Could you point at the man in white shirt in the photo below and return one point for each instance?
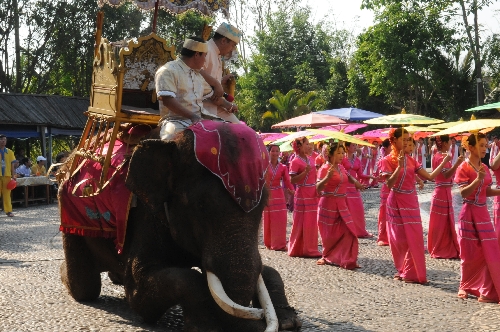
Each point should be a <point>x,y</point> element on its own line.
<point>221,45</point>
<point>25,169</point>
<point>454,150</point>
<point>181,90</point>
<point>494,149</point>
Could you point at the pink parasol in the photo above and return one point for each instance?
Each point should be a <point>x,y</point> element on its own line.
<point>377,133</point>
<point>271,137</point>
<point>345,127</point>
<point>309,120</point>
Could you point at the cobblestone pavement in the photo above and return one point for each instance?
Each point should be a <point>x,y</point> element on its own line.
<point>327,298</point>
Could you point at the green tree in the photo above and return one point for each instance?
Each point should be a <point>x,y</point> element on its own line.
<point>400,57</point>
<point>468,27</point>
<point>178,27</point>
<point>492,63</point>
<point>294,103</point>
<point>288,55</point>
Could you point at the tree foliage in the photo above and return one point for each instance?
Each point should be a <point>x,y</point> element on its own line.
<point>56,55</point>
<point>403,58</point>
<point>291,54</point>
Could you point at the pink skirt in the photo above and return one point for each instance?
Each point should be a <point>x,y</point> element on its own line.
<point>382,215</point>
<point>406,238</point>
<point>355,205</point>
<point>275,218</point>
<point>340,244</point>
<point>442,238</point>
<point>479,252</point>
<point>304,236</point>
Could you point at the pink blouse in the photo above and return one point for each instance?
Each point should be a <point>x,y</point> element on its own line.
<point>405,183</point>
<point>466,173</point>
<point>337,185</point>
<point>275,174</point>
<point>353,166</point>
<point>440,179</point>
<point>298,165</point>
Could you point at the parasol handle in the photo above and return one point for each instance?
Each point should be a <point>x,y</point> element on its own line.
<point>155,16</point>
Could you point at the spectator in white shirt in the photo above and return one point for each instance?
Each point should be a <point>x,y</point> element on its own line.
<point>25,169</point>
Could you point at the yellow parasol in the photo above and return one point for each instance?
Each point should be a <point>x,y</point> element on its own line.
<point>446,125</point>
<point>403,119</point>
<point>472,126</point>
<point>292,136</point>
<point>416,129</point>
<point>340,136</point>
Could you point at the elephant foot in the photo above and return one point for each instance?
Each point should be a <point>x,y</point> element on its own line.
<point>115,278</point>
<point>287,317</point>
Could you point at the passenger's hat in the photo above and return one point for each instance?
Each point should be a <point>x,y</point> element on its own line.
<point>228,31</point>
<point>195,46</point>
<point>39,158</point>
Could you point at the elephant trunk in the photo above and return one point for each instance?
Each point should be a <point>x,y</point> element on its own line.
<point>234,309</point>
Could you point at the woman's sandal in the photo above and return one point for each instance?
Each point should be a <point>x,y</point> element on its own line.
<point>409,281</point>
<point>321,261</point>
<point>483,299</point>
<point>396,277</point>
<point>462,294</point>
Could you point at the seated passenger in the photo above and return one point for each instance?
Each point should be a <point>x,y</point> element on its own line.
<point>181,90</point>
<point>39,168</point>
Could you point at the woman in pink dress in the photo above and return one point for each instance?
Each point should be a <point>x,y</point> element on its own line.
<point>495,167</point>
<point>275,213</point>
<point>336,227</point>
<point>320,159</point>
<point>479,247</point>
<point>404,225</point>
<point>304,236</point>
<point>354,201</point>
<point>382,239</point>
<point>442,237</point>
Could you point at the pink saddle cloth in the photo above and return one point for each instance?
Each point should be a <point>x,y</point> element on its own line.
<point>102,215</point>
<point>236,154</point>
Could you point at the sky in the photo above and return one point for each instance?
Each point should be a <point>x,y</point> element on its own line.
<point>349,14</point>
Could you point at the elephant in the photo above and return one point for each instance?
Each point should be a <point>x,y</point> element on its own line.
<point>187,243</point>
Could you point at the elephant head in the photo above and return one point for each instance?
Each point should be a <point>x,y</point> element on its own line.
<point>203,219</point>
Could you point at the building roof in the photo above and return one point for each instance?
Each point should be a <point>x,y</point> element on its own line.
<point>43,110</point>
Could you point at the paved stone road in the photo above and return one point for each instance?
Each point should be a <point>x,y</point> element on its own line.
<point>327,298</point>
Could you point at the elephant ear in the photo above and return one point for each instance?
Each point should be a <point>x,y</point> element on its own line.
<point>149,172</point>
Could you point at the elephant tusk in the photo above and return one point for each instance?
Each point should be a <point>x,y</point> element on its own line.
<point>267,305</point>
<point>227,304</point>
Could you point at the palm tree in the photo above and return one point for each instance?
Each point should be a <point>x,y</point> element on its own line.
<point>294,103</point>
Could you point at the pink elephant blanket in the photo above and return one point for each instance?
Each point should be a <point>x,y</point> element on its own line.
<point>103,214</point>
<point>236,154</point>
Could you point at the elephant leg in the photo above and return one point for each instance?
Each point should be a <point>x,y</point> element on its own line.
<point>78,271</point>
<point>287,316</point>
<point>158,291</point>
<point>151,294</point>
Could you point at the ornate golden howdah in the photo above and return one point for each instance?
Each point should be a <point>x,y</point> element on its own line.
<point>122,91</point>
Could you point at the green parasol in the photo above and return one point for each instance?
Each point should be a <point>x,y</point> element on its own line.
<point>484,107</point>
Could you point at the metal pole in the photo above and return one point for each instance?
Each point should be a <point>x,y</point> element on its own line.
<point>478,81</point>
